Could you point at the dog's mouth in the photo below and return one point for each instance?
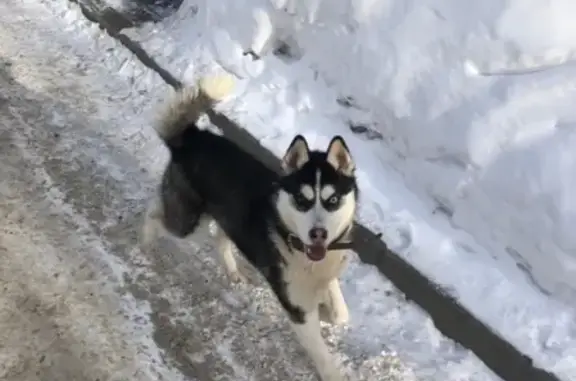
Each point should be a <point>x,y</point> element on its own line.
<point>316,252</point>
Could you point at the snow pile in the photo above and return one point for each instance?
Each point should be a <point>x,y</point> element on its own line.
<point>473,101</point>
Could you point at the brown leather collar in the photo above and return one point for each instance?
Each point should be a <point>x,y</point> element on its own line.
<point>295,243</point>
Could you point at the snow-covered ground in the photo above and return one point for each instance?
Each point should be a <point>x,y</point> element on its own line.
<point>463,117</point>
<point>81,301</point>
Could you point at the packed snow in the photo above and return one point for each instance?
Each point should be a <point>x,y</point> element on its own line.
<point>81,160</point>
<point>460,116</point>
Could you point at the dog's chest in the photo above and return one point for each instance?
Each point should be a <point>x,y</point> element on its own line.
<point>307,280</point>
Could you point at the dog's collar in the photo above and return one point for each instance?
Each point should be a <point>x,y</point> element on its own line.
<point>295,243</point>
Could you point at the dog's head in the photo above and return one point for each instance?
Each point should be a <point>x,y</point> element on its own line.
<point>318,194</point>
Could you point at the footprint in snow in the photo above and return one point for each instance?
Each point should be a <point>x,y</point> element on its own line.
<point>398,236</point>
<point>230,55</point>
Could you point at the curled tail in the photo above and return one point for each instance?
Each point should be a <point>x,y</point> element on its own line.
<point>189,104</point>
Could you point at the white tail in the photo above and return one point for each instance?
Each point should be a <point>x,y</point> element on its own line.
<point>189,103</point>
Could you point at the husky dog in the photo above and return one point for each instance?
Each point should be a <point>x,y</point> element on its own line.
<point>294,227</point>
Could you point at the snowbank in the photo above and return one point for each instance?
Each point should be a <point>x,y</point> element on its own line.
<point>474,99</point>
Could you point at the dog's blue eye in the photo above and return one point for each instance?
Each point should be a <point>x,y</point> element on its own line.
<point>333,200</point>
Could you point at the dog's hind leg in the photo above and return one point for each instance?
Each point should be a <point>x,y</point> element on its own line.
<point>225,247</point>
<point>152,227</point>
<point>333,308</point>
<point>176,209</point>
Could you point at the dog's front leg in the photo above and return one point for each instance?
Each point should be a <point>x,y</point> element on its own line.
<point>333,308</point>
<point>309,335</point>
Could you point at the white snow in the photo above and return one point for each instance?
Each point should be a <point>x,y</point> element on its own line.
<point>60,58</point>
<point>473,179</point>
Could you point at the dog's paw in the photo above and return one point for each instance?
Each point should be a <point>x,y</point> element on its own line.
<point>333,375</point>
<point>336,315</point>
<point>340,317</point>
<point>149,233</point>
<point>237,277</point>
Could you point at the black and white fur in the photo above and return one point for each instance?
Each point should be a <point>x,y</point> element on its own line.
<point>262,213</point>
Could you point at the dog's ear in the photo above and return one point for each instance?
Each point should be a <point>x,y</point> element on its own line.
<point>339,156</point>
<point>296,155</point>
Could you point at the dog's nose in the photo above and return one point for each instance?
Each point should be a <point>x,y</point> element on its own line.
<point>318,234</point>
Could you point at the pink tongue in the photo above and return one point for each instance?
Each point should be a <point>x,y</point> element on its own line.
<point>316,252</point>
